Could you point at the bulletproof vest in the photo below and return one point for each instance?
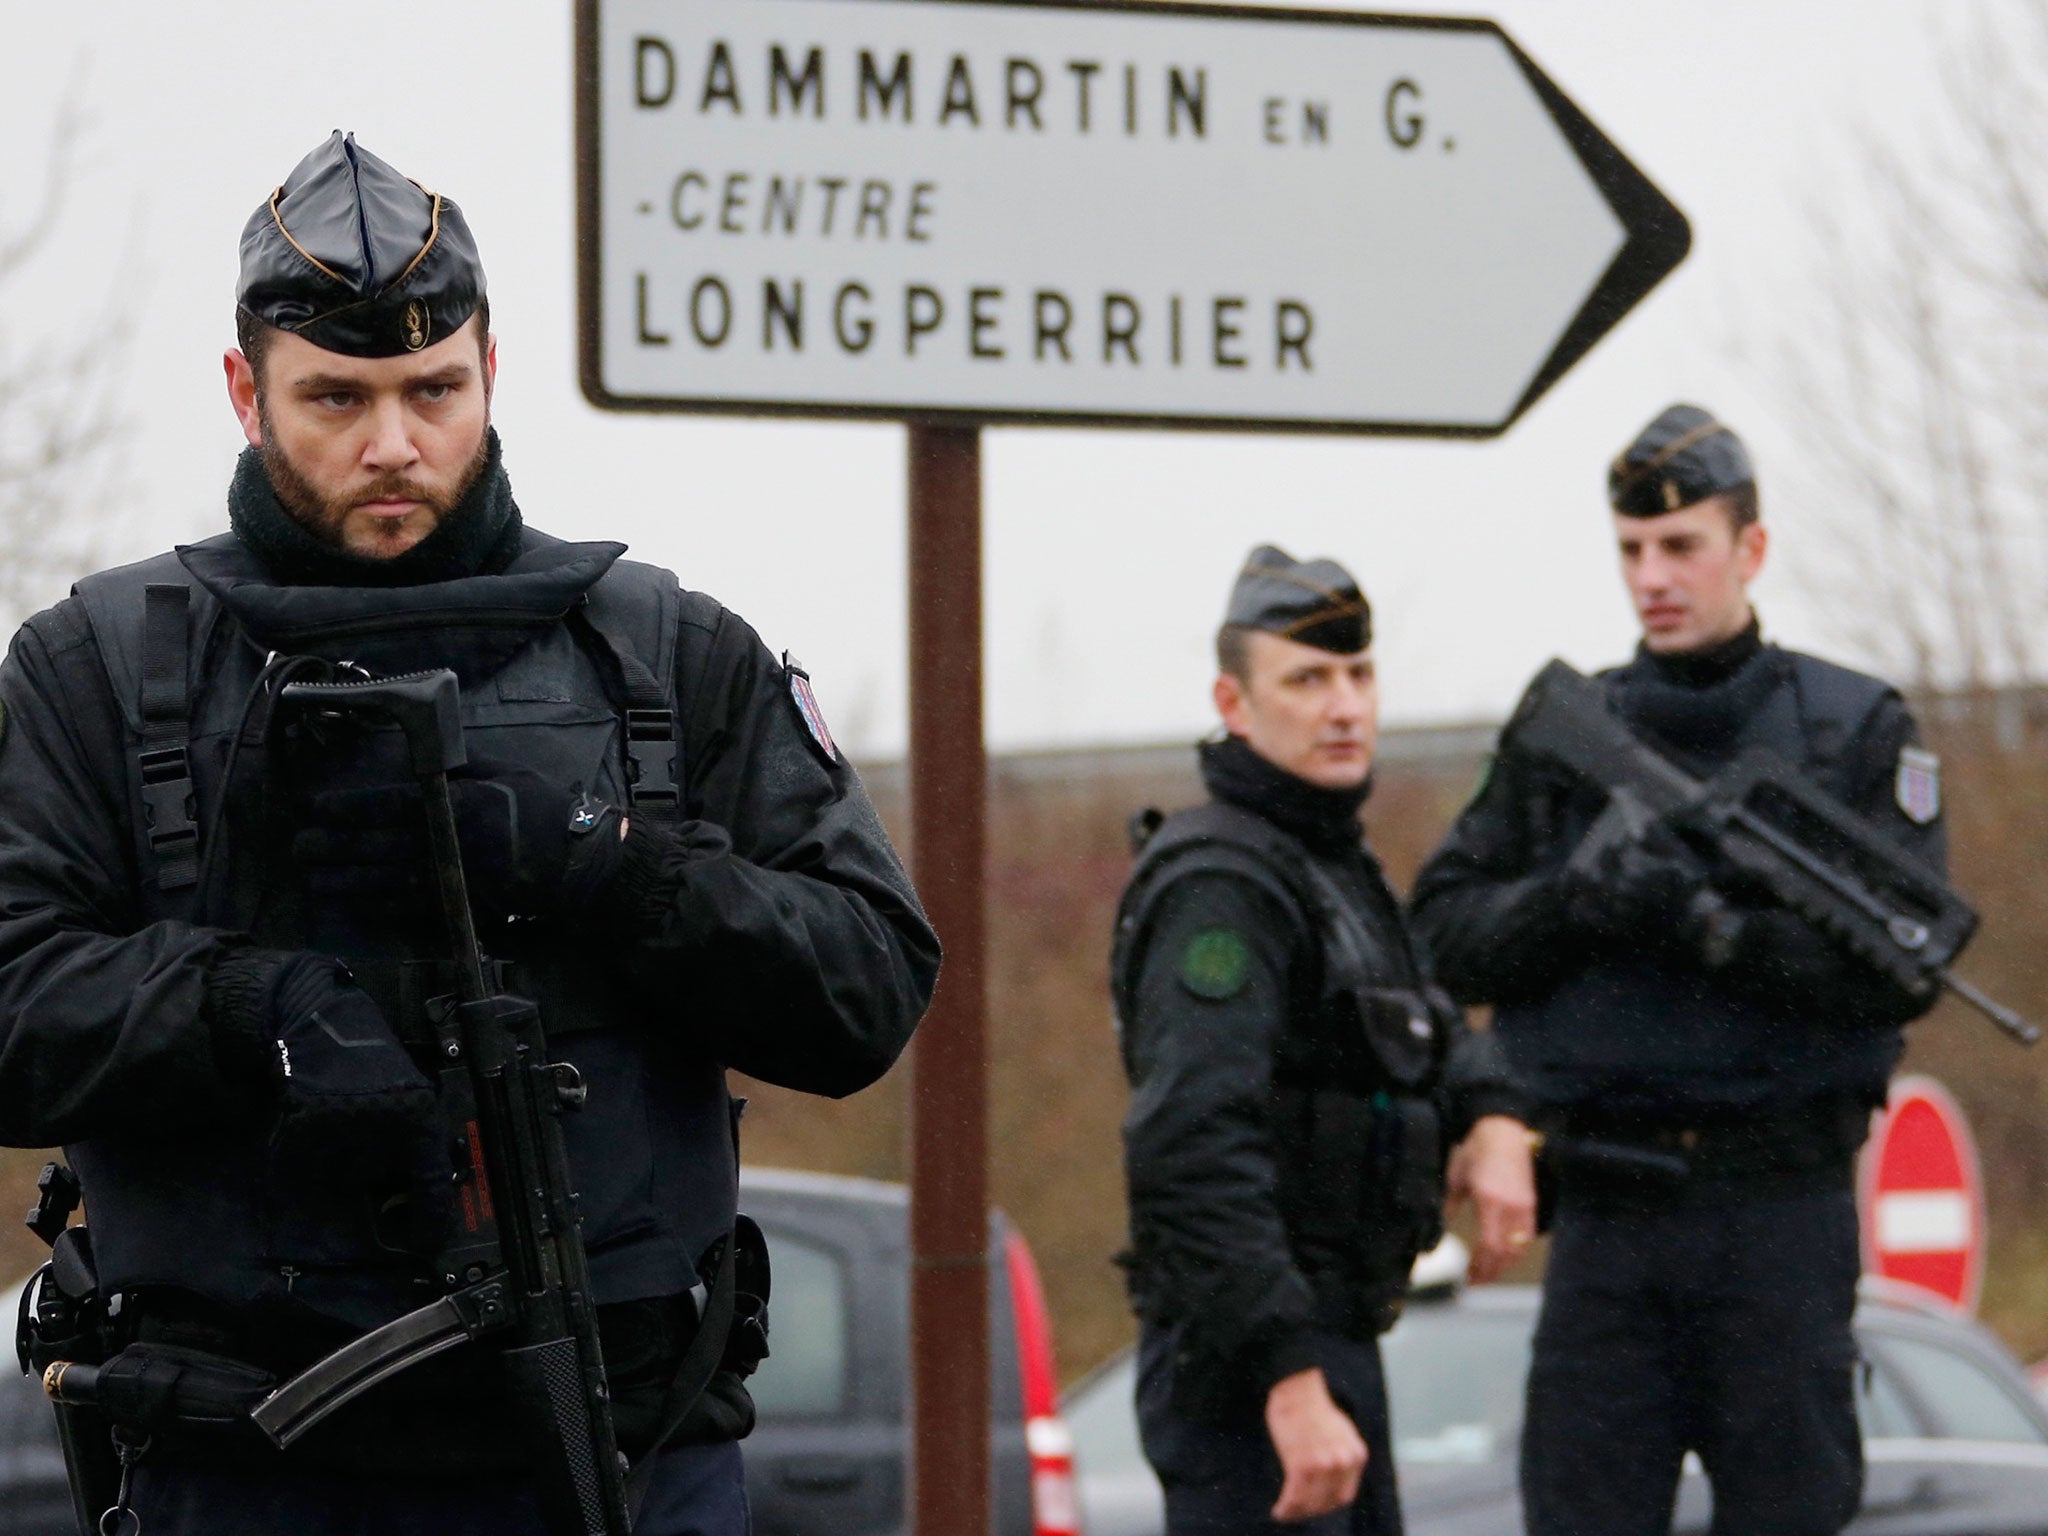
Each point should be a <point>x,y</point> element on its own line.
<point>567,666</point>
<point>1356,1124</point>
<point>1656,1035</point>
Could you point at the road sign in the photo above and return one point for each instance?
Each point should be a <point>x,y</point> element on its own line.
<point>1115,214</point>
<point>1922,1195</point>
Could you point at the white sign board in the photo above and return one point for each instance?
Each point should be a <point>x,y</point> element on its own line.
<point>1138,214</point>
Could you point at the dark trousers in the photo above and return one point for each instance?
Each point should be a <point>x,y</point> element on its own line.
<point>697,1490</point>
<point>1219,1470</point>
<point>1721,1329</point>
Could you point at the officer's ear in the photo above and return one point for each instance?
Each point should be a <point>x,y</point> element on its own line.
<point>241,376</point>
<point>1231,703</point>
<point>1752,543</point>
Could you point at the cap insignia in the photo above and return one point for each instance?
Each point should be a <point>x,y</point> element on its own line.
<point>416,326</point>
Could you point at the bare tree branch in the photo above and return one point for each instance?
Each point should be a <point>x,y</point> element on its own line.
<point>1922,386</point>
<point>61,426</point>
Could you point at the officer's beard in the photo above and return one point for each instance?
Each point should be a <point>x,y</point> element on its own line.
<point>325,517</point>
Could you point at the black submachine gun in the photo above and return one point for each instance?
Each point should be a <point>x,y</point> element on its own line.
<point>517,1274</point>
<point>514,1276</point>
<point>1759,819</point>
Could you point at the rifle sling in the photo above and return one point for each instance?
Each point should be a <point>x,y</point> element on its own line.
<point>699,1364</point>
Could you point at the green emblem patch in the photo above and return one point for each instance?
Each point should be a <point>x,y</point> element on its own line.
<point>1216,964</point>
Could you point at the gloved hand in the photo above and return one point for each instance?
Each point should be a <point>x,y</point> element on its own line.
<point>1645,890</point>
<point>530,847</point>
<point>349,1091</point>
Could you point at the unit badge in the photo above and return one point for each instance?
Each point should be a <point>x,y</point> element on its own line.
<point>807,707</point>
<point>416,326</point>
<point>1918,785</point>
<point>1216,964</point>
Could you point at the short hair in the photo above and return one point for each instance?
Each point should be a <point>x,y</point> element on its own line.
<point>1233,651</point>
<point>254,336</point>
<point>1743,506</point>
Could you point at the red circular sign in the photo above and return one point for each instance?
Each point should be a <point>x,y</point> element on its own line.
<point>1923,1197</point>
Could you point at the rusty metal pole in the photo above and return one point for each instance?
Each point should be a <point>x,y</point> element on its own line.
<point>949,1062</point>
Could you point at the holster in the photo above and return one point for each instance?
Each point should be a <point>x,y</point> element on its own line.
<point>54,1328</point>
<point>63,1319</point>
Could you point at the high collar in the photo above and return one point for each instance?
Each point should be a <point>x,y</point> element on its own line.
<point>1325,819</point>
<point>1705,668</point>
<point>472,623</point>
<point>480,536</point>
<point>1703,712</point>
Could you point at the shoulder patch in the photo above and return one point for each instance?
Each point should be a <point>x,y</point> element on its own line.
<point>1917,785</point>
<point>1216,964</point>
<point>807,710</point>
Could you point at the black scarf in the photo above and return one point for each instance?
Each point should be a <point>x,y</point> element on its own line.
<point>479,537</point>
<point>1325,819</point>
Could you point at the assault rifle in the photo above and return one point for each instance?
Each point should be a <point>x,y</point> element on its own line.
<point>1759,819</point>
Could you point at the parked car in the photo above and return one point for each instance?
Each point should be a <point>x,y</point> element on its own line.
<point>1956,1444</point>
<point>829,1455</point>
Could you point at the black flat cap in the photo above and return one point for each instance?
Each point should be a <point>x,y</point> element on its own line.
<point>357,259</point>
<point>1684,456</point>
<point>1314,601</point>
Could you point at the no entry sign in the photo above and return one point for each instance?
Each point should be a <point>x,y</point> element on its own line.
<point>1923,1197</point>
<point>1170,214</point>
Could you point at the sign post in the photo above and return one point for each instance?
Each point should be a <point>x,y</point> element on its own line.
<point>960,212</point>
<point>1922,1195</point>
<point>949,1061</point>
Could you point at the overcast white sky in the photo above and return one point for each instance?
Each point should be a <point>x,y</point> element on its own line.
<point>1108,553</point>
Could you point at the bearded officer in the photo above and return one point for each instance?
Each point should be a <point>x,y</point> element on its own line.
<point>1707,1068</point>
<point>215,936</point>
<point>1295,1082</point>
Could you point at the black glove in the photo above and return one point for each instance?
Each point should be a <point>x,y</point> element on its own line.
<point>1649,890</point>
<point>530,847</point>
<point>349,1089</point>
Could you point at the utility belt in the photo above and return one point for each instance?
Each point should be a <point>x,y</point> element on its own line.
<point>1630,1163</point>
<point>1356,1303</point>
<point>171,1376</point>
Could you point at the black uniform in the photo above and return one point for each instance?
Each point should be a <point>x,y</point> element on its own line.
<point>1707,1309</point>
<point>185,864</point>
<point>770,929</point>
<point>1295,1083</point>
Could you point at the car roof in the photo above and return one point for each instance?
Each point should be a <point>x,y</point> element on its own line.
<point>824,1186</point>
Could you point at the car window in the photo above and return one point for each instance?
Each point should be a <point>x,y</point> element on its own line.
<point>1965,1400</point>
<point>1454,1385</point>
<point>805,1373</point>
<point>1881,1411</point>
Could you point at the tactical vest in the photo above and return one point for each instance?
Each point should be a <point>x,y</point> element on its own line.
<point>567,664</point>
<point>1356,1123</point>
<point>1641,1035</point>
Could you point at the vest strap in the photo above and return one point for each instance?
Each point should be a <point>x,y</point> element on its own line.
<point>162,761</point>
<point>654,746</point>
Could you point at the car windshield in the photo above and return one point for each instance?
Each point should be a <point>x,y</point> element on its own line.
<point>1454,1381</point>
